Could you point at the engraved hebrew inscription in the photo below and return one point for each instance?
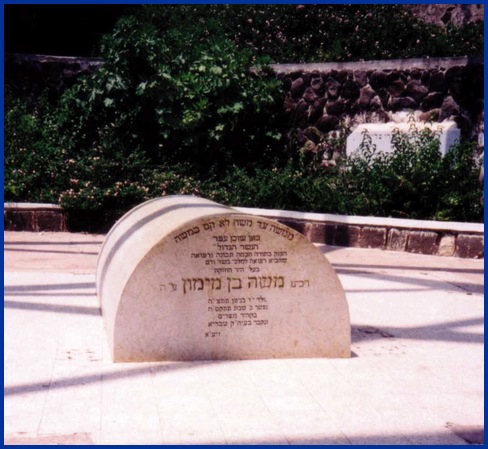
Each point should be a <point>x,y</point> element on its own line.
<point>235,271</point>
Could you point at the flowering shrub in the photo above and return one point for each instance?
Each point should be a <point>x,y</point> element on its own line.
<point>34,168</point>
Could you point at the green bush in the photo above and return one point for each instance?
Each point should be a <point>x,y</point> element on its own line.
<point>176,110</point>
<point>414,182</point>
<point>164,97</point>
<point>34,168</point>
<point>165,93</point>
<point>322,33</point>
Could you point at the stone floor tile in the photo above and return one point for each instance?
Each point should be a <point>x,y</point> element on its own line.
<point>416,375</point>
<point>191,428</point>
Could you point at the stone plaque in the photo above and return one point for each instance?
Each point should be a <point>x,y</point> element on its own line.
<point>381,134</point>
<point>184,278</point>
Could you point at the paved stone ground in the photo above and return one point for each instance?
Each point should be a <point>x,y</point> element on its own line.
<point>416,375</point>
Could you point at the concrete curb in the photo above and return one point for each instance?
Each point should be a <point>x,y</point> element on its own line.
<point>451,239</point>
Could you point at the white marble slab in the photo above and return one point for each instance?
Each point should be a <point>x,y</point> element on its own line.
<point>381,134</point>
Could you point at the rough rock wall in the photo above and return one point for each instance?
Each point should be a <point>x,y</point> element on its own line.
<point>322,97</point>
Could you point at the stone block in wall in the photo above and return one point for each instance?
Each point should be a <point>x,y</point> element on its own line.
<point>307,78</point>
<point>415,73</point>
<point>346,235</point>
<point>309,95</point>
<point>397,240</point>
<point>297,88</point>
<point>361,77</point>
<point>399,103</point>
<point>464,123</point>
<point>454,72</point>
<point>317,110</point>
<point>333,88</point>
<point>432,101</point>
<point>396,88</point>
<point>393,75</point>
<point>296,74</point>
<point>456,91</point>
<point>447,245</point>
<point>378,79</point>
<point>327,123</point>
<point>19,220</point>
<point>317,84</point>
<point>297,225</point>
<point>384,96</point>
<point>51,221</point>
<point>337,107</point>
<point>329,234</point>
<point>422,242</point>
<point>430,116</point>
<point>372,237</point>
<point>340,75</point>
<point>352,107</point>
<point>288,104</point>
<point>350,90</point>
<point>437,82</point>
<point>470,246</point>
<point>286,80</point>
<point>449,108</point>
<point>453,77</point>
<point>320,232</point>
<point>376,105</point>
<point>366,94</point>
<point>425,77</point>
<point>416,90</point>
<point>301,114</point>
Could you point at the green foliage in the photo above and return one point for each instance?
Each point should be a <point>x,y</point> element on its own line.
<point>403,183</point>
<point>462,197</point>
<point>318,33</point>
<point>177,110</point>
<point>174,102</point>
<point>168,94</point>
<point>33,162</point>
<point>415,182</point>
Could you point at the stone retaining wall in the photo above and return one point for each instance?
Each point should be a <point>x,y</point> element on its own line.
<point>438,243</point>
<point>322,97</point>
<point>34,217</point>
<point>464,240</point>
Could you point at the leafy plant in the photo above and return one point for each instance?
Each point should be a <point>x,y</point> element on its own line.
<point>185,104</point>
<point>34,168</point>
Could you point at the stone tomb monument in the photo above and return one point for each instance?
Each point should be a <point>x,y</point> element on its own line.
<point>381,134</point>
<point>184,278</point>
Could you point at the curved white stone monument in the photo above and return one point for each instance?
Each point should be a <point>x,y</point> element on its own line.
<point>184,278</point>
